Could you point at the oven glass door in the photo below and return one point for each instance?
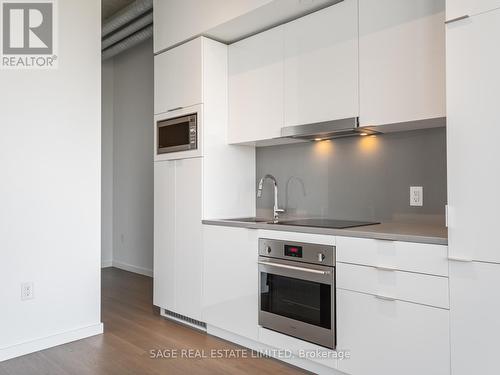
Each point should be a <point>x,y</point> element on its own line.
<point>178,134</point>
<point>302,300</point>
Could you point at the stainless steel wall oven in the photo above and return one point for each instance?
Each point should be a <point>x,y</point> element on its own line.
<point>297,290</point>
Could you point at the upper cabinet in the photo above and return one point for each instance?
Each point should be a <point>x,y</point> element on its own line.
<point>176,21</point>
<point>178,77</point>
<point>256,87</point>
<point>401,61</point>
<point>460,8</point>
<point>382,61</point>
<point>321,65</point>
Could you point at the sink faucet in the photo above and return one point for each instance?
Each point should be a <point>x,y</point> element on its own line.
<point>276,210</point>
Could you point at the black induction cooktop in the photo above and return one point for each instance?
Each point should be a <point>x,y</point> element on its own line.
<point>326,223</point>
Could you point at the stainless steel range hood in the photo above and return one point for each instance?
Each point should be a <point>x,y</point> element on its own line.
<point>347,127</point>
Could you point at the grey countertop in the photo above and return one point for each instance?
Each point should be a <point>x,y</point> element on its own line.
<point>395,231</point>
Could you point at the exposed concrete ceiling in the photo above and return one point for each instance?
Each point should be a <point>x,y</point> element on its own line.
<point>110,7</point>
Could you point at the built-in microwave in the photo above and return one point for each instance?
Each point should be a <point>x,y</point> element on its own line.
<point>177,134</point>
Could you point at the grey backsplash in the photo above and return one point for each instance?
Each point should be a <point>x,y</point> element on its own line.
<point>358,178</point>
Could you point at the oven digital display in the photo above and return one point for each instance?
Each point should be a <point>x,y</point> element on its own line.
<point>293,251</point>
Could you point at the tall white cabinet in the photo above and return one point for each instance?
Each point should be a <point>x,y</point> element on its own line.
<point>473,133</point>
<point>178,236</point>
<point>219,183</point>
<point>473,89</point>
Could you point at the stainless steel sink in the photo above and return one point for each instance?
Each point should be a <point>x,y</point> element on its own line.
<point>249,220</point>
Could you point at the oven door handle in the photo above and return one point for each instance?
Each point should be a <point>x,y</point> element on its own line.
<point>288,267</point>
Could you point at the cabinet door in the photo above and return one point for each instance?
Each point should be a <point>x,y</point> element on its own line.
<point>178,77</point>
<point>402,60</point>
<point>230,280</point>
<point>475,326</point>
<point>321,65</point>
<point>391,337</point>
<point>473,87</point>
<point>459,8</point>
<point>164,235</point>
<point>188,237</point>
<point>256,87</point>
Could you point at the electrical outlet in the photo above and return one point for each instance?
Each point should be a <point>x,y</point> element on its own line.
<point>416,196</point>
<point>27,291</point>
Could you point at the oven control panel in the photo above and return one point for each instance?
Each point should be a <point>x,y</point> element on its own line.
<point>297,251</point>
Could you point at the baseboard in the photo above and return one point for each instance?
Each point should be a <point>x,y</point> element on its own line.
<point>49,342</point>
<point>106,263</point>
<point>134,269</point>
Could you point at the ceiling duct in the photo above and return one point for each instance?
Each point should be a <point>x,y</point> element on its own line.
<point>127,28</point>
<point>126,15</point>
<point>127,43</point>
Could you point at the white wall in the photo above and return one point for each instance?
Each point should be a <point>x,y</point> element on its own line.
<point>107,163</point>
<point>131,102</point>
<point>50,191</point>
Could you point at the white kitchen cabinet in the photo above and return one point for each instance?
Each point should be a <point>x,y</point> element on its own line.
<point>194,186</point>
<point>230,280</point>
<point>188,237</point>
<point>397,255</point>
<point>178,255</point>
<point>256,87</point>
<point>164,235</point>
<point>176,21</point>
<point>401,61</point>
<point>420,288</point>
<point>321,65</point>
<point>391,337</point>
<point>473,86</point>
<point>178,77</point>
<point>459,8</point>
<point>475,326</point>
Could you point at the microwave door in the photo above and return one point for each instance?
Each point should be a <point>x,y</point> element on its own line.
<point>176,135</point>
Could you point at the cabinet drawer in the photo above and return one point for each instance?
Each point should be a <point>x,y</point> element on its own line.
<point>403,256</point>
<point>400,285</point>
<point>391,337</point>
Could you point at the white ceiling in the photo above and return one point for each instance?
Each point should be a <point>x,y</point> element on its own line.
<point>110,7</point>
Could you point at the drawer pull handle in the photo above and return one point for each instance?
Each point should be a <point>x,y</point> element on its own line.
<point>458,259</point>
<point>175,109</point>
<point>382,268</point>
<point>385,298</point>
<point>457,19</point>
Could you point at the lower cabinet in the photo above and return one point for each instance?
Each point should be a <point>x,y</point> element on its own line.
<point>230,280</point>
<point>391,336</point>
<point>475,312</point>
<point>178,254</point>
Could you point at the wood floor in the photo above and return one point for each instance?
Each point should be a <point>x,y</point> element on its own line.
<point>133,327</point>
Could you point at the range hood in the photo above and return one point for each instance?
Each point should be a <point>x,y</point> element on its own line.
<point>347,127</point>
